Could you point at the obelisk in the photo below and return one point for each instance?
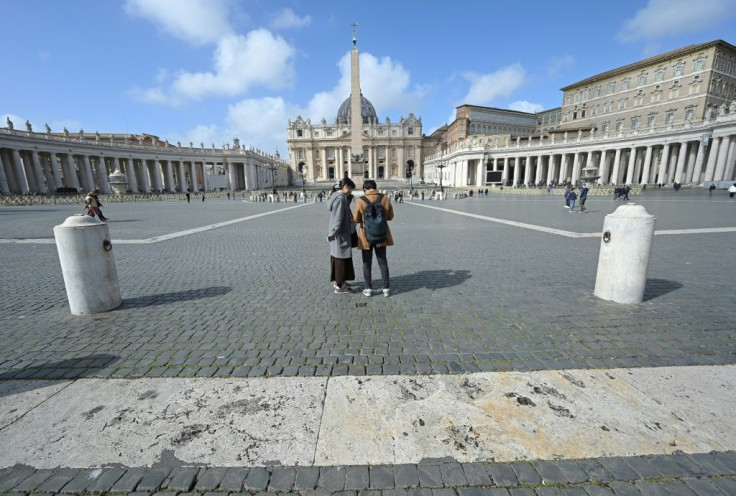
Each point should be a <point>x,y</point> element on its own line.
<point>356,118</point>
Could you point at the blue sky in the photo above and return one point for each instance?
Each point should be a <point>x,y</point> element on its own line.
<point>213,70</point>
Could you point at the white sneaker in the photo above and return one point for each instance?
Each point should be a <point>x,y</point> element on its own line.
<point>386,292</point>
<point>367,292</point>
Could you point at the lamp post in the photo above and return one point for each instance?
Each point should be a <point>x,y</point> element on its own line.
<point>410,173</point>
<point>301,174</point>
<point>441,165</point>
<point>272,168</point>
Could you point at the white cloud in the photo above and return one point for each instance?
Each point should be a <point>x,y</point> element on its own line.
<point>287,19</point>
<point>663,18</point>
<point>240,62</point>
<point>206,134</point>
<point>195,21</point>
<point>524,106</point>
<point>485,88</point>
<point>557,63</point>
<point>384,82</point>
<point>261,123</point>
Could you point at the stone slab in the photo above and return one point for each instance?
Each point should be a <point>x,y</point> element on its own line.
<point>220,422</point>
<point>706,393</point>
<point>501,417</point>
<point>17,398</point>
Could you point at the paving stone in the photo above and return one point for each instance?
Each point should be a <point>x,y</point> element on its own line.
<point>703,487</point>
<point>234,478</point>
<point>57,481</point>
<point>381,477</point>
<point>522,491</point>
<point>257,479</point>
<point>430,476</point>
<point>598,490</point>
<point>406,475</point>
<point>550,472</point>
<point>82,481</point>
<point>152,480</point>
<point>574,491</point>
<point>453,474</point>
<point>618,468</point>
<point>726,484</point>
<point>282,479</point>
<point>106,480</point>
<point>183,479</point>
<point>332,478</point>
<point>526,473</point>
<point>306,477</point>
<point>356,478</point>
<point>624,489</point>
<point>128,481</point>
<point>476,474</point>
<point>595,470</point>
<point>15,478</point>
<point>496,491</point>
<point>642,467</point>
<point>32,482</point>
<point>549,491</point>
<point>470,491</point>
<point>668,488</point>
<point>573,472</point>
<point>210,479</point>
<point>503,474</point>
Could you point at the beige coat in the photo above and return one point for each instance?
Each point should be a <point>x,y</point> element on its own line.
<point>372,195</point>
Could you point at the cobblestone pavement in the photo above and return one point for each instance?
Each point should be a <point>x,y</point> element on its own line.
<point>707,474</point>
<point>253,298</point>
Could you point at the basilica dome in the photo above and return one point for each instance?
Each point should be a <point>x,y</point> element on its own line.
<point>366,110</point>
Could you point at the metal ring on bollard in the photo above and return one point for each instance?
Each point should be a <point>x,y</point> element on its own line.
<point>607,237</point>
<point>107,245</point>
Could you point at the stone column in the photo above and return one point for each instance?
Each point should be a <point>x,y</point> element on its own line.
<point>680,167</point>
<point>170,177</point>
<point>527,169</point>
<point>87,178</point>
<point>232,177</point>
<point>505,171</point>
<point>698,167</point>
<point>540,169</point>
<point>603,168</point>
<point>647,165</point>
<point>517,169</point>
<point>30,173</point>
<point>662,175</point>
<point>10,170</point>
<point>38,173</point>
<point>722,155</point>
<point>711,166</point>
<point>728,174</point>
<point>56,170</point>
<point>564,166</point>
<point>575,168</point>
<point>692,151</point>
<point>182,177</point>
<point>102,174</point>
<point>551,168</point>
<point>145,176</point>
<point>193,177</point>
<point>71,166</point>
<point>616,166</point>
<point>4,186</point>
<point>631,166</point>
<point>48,173</point>
<point>205,182</point>
<point>20,173</point>
<point>132,176</point>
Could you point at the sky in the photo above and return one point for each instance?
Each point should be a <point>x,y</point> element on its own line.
<point>208,71</point>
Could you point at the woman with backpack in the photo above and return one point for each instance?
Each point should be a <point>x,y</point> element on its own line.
<point>339,234</point>
<point>372,212</point>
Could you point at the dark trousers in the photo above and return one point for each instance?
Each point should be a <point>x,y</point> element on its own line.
<point>368,265</point>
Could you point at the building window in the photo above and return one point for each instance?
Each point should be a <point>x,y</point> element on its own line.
<point>689,113</point>
<point>604,127</point>
<point>585,95</point>
<point>381,152</point>
<point>316,134</point>
<point>635,122</point>
<point>595,109</point>
<point>577,97</point>
<point>329,133</point>
<point>619,125</point>
<point>699,65</point>
<point>674,93</point>
<point>393,132</point>
<point>694,88</point>
<point>330,153</point>
<point>610,88</point>
<point>625,84</point>
<point>567,100</point>
<point>596,91</point>
<point>607,107</point>
<point>622,103</point>
<point>639,100</point>
<point>678,70</point>
<point>713,112</point>
<point>582,114</point>
<point>299,133</point>
<point>301,154</point>
<point>410,152</point>
<point>641,79</point>
<point>652,120</point>
<point>656,97</point>
<point>410,131</point>
<point>669,117</point>
<point>659,75</point>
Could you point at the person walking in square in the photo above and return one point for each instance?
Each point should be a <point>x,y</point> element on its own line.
<point>583,197</point>
<point>373,212</point>
<point>339,234</point>
<point>573,197</point>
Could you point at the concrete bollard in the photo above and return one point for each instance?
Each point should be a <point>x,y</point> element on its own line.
<point>85,253</point>
<point>624,255</point>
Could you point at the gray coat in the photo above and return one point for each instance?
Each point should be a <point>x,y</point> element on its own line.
<point>341,221</point>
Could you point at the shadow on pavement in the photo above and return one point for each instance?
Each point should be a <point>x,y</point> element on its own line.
<point>41,373</point>
<point>165,298</point>
<point>659,287</point>
<point>430,279</point>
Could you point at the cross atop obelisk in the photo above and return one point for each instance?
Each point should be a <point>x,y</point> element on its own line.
<point>356,117</point>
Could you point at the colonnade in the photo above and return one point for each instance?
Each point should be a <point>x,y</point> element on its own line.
<point>43,163</point>
<point>692,153</point>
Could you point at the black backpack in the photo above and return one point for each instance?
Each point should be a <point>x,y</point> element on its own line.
<point>374,221</point>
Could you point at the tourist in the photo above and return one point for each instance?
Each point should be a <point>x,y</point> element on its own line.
<point>188,197</point>
<point>92,206</point>
<point>625,192</point>
<point>732,190</point>
<point>573,197</point>
<point>567,196</point>
<point>583,197</point>
<point>341,225</point>
<point>228,195</point>
<point>711,188</point>
<point>373,228</point>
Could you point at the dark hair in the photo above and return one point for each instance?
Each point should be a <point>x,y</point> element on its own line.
<point>346,181</point>
<point>369,184</point>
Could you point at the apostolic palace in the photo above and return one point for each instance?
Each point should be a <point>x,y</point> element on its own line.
<point>667,119</point>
